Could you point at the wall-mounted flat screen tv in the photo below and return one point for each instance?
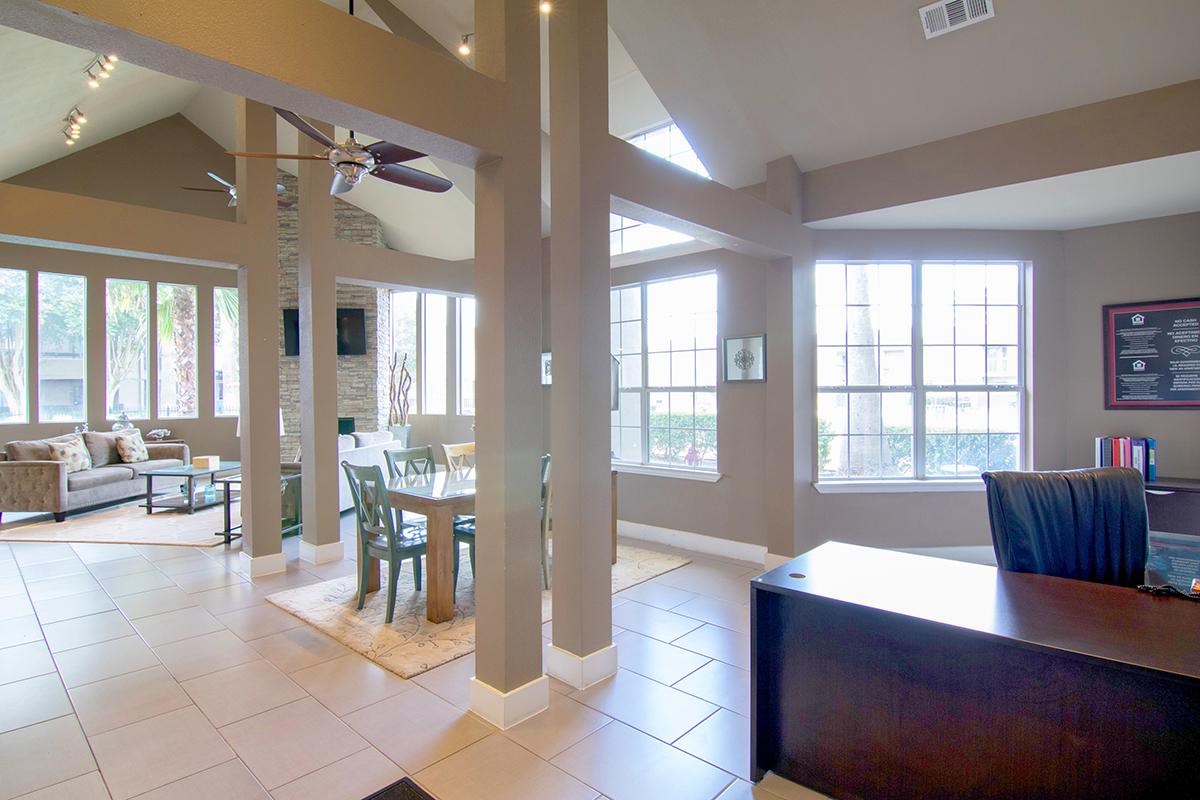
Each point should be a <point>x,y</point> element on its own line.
<point>351,332</point>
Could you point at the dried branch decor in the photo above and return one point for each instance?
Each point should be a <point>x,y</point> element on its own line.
<point>399,384</point>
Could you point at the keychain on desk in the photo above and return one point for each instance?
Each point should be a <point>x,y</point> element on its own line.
<point>1167,590</point>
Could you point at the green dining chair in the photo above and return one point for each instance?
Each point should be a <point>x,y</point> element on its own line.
<point>545,508</point>
<point>409,461</point>
<point>377,533</point>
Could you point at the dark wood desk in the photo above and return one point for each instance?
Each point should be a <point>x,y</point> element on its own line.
<point>889,675</point>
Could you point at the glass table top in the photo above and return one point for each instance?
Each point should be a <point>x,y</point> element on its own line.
<point>439,485</point>
<point>184,470</point>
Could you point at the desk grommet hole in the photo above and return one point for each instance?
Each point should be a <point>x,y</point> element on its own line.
<point>797,575</point>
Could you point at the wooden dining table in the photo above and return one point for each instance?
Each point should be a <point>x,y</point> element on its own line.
<point>438,496</point>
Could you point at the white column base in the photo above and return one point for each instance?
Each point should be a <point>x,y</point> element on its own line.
<point>581,671</point>
<point>321,553</point>
<point>506,709</point>
<point>262,565</point>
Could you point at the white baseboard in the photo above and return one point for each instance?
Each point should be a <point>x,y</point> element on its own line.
<point>321,553</point>
<point>506,709</point>
<point>262,565</point>
<point>580,671</point>
<point>696,542</point>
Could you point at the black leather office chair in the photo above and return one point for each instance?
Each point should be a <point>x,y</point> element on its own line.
<point>1088,524</point>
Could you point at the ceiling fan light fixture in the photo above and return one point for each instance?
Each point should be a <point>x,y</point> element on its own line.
<point>464,47</point>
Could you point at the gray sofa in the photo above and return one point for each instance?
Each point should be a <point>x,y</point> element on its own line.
<point>31,481</point>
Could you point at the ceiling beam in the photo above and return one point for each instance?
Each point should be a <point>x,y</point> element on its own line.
<point>378,266</point>
<point>1136,127</point>
<point>298,54</point>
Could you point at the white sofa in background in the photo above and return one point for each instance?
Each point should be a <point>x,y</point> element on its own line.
<point>361,449</point>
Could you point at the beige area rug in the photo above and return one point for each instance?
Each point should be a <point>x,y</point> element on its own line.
<point>126,524</point>
<point>412,644</point>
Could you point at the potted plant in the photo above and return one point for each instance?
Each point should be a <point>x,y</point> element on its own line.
<point>399,384</point>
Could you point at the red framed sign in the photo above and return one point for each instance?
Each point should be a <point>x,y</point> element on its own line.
<point>1152,354</point>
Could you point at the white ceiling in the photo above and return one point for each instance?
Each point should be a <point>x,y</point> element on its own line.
<point>1158,187</point>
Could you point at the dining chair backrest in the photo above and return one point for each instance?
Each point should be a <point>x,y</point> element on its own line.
<point>371,504</point>
<point>545,479</point>
<point>409,461</point>
<point>459,456</point>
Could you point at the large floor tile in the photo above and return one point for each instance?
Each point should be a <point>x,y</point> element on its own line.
<point>258,621</point>
<point>14,605</point>
<point>242,691</point>
<point>27,553</point>
<point>173,626</point>
<point>191,563</point>
<point>53,569</point>
<point>134,583</point>
<point>734,616</point>
<point>155,601</point>
<point>653,622</point>
<point>625,764</point>
<point>451,681</point>
<point>82,631</point>
<point>719,643</point>
<point>157,751</point>
<point>443,728</point>
<point>657,660</point>
<point>161,552</point>
<point>57,609</point>
<point>298,648</point>
<point>31,701</point>
<point>61,587</point>
<point>200,655</point>
<point>499,769</point>
<point>352,778</point>
<point>20,630</point>
<point>97,553</point>
<point>228,781</point>
<point>349,683</point>
<point>195,582</point>
<point>120,566</point>
<point>43,755</point>
<point>659,595</point>
<point>722,740</point>
<point>85,787</point>
<point>291,741</point>
<point>96,662</point>
<point>116,702</point>
<point>720,683</point>
<point>233,597</point>
<point>25,661</point>
<point>647,705</point>
<point>563,724</point>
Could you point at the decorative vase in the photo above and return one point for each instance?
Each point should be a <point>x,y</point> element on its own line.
<point>401,433</point>
<point>123,423</point>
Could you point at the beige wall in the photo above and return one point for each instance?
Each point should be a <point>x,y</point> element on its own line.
<point>1156,259</point>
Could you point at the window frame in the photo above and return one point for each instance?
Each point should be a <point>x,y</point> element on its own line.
<point>919,480</point>
<point>42,353</point>
<point>29,312</point>
<point>220,387</point>
<point>149,351</point>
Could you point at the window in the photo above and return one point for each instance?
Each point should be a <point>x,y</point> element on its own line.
<point>62,355</point>
<point>176,313</point>
<point>919,369</point>
<point>14,320</point>
<point>404,338</point>
<point>668,142</point>
<point>127,329</point>
<point>434,353</point>
<point>664,335</point>
<point>627,235</point>
<point>466,356</point>
<point>226,352</point>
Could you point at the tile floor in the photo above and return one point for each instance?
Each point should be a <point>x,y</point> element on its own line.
<point>161,672</point>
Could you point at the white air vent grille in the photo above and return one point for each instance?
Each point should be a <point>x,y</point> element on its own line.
<point>950,15</point>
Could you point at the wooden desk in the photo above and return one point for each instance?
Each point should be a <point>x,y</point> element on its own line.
<point>886,674</point>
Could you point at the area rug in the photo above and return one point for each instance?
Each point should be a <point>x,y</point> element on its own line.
<point>126,524</point>
<point>412,644</point>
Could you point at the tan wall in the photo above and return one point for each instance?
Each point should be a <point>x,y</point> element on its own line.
<point>1156,259</point>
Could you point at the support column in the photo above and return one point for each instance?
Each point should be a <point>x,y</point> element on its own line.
<point>258,330</point>
<point>582,652</point>
<point>509,685</point>
<point>321,540</point>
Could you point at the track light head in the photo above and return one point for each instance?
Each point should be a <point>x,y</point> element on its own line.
<point>545,6</point>
<point>464,47</point>
<point>92,83</point>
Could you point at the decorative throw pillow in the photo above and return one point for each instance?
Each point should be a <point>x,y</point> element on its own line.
<point>131,447</point>
<point>74,453</point>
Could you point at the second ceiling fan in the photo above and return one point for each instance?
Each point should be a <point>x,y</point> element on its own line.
<point>351,160</point>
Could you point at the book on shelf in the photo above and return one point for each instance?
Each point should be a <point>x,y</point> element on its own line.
<point>1128,451</point>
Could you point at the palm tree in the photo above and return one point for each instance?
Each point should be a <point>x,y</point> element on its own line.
<point>13,297</point>
<point>177,324</point>
<point>128,317</point>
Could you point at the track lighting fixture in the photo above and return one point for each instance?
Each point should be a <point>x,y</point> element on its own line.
<point>545,7</point>
<point>464,47</point>
<point>100,68</point>
<point>92,83</point>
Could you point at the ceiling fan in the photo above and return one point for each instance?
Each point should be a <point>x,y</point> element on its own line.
<point>231,190</point>
<point>351,160</point>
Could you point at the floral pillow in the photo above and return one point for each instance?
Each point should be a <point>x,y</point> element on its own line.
<point>73,453</point>
<point>130,447</point>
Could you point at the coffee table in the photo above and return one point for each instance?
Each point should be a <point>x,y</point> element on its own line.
<point>187,501</point>
<point>230,494</point>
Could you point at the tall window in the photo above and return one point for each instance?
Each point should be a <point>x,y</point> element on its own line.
<point>434,353</point>
<point>127,329</point>
<point>226,352</point>
<point>466,356</point>
<point>667,141</point>
<point>404,338</point>
<point>626,235</point>
<point>62,354</point>
<point>176,313</point>
<point>664,335</point>
<point>919,369</point>
<point>14,320</point>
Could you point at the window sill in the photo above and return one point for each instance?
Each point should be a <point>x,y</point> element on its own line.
<point>666,472</point>
<point>898,487</point>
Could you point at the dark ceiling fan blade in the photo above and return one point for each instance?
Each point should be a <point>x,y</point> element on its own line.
<point>415,178</point>
<point>308,130</point>
<point>388,153</point>
<point>297,156</point>
<point>204,189</point>
<point>220,180</point>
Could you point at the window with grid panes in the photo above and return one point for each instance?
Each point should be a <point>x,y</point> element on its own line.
<point>919,369</point>
<point>664,335</point>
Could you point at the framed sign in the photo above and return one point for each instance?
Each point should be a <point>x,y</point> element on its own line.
<point>745,359</point>
<point>1152,354</point>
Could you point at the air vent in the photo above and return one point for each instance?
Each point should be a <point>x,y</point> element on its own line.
<point>950,15</point>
